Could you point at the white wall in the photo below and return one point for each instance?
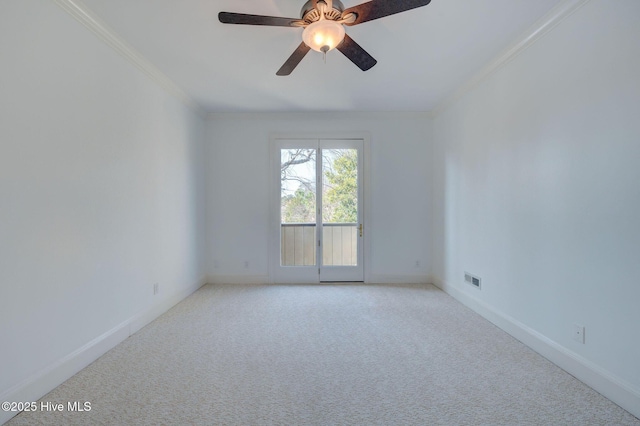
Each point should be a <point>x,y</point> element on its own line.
<point>101,192</point>
<point>537,191</point>
<point>238,188</point>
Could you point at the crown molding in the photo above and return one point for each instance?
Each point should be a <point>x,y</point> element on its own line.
<point>324,115</point>
<point>89,19</point>
<point>538,30</point>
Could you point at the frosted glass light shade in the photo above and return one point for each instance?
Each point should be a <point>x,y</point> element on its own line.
<point>323,35</point>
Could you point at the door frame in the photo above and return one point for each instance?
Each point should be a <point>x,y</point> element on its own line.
<point>274,202</point>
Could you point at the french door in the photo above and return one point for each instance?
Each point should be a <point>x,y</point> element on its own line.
<point>318,225</point>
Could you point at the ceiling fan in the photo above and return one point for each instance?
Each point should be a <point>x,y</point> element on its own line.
<point>323,22</point>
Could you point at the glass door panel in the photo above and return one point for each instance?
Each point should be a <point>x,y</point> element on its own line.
<point>340,199</point>
<point>340,207</point>
<point>298,207</point>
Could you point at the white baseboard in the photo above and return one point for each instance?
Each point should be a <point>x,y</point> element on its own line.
<point>397,279</point>
<point>44,381</point>
<point>616,389</point>
<point>371,279</point>
<point>238,279</point>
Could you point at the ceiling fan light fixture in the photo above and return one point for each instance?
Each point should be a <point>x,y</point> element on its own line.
<point>323,35</point>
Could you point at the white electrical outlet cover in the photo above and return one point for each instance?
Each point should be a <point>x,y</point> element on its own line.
<point>578,333</point>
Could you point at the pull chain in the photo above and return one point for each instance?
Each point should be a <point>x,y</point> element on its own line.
<point>324,50</point>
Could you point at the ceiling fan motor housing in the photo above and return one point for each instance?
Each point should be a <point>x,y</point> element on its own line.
<point>310,14</point>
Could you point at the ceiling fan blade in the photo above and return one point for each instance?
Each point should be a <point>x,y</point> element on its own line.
<point>376,9</point>
<point>244,19</point>
<point>294,60</point>
<point>356,54</point>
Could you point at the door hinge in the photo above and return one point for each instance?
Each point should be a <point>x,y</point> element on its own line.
<point>318,243</point>
<point>318,271</point>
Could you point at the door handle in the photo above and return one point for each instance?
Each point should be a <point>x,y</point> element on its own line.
<point>360,228</point>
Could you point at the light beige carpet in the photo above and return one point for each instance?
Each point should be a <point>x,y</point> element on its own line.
<point>325,355</point>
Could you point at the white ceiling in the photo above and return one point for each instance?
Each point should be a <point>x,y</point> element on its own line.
<point>423,55</point>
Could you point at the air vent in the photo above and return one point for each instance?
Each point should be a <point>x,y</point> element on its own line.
<point>472,279</point>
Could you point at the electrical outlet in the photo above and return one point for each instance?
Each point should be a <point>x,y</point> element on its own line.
<point>246,264</point>
<point>156,288</point>
<point>417,263</point>
<point>578,333</point>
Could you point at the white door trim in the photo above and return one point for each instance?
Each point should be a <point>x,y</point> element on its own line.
<point>275,140</point>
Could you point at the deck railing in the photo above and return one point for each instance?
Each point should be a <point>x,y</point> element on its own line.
<point>298,244</point>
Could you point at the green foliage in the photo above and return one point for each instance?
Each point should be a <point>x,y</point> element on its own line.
<point>299,207</point>
<point>341,197</point>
